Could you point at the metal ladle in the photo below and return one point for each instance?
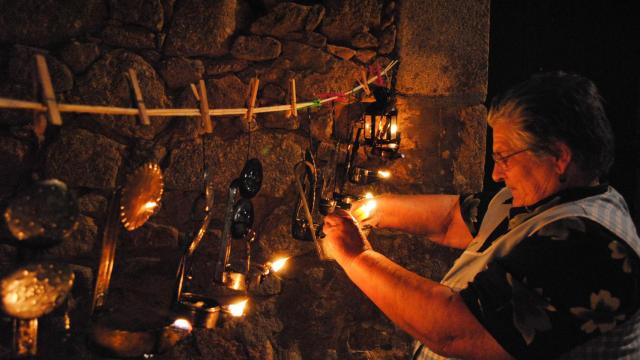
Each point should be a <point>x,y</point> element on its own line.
<point>42,215</point>
<point>29,293</point>
<point>135,203</point>
<point>202,311</point>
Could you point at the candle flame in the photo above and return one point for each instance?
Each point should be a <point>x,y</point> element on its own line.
<point>384,174</point>
<point>278,264</point>
<point>182,324</point>
<point>150,205</point>
<point>368,195</point>
<point>394,129</point>
<point>364,211</point>
<point>237,309</point>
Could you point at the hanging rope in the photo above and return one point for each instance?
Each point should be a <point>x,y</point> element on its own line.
<point>6,103</point>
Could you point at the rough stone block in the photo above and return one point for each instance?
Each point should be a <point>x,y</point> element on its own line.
<point>346,18</point>
<point>256,48</point>
<point>444,48</point>
<point>146,13</point>
<point>78,56</point>
<point>202,27</point>
<point>14,160</point>
<point>81,158</point>
<point>285,18</point>
<point>180,71</point>
<point>48,22</point>
<point>129,37</point>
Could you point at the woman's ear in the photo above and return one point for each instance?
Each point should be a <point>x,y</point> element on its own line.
<point>563,157</point>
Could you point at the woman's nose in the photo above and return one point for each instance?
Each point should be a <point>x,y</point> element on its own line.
<point>497,174</point>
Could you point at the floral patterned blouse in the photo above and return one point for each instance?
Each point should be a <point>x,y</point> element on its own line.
<point>571,280</point>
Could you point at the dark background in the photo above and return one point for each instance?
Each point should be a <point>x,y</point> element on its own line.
<point>597,39</point>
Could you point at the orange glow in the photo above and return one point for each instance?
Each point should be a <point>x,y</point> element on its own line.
<point>278,264</point>
<point>237,309</point>
<point>384,174</point>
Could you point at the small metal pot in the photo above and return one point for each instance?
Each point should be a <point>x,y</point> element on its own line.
<point>203,312</point>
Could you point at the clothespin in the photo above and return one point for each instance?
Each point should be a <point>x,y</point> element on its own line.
<point>292,94</point>
<point>194,90</point>
<point>364,83</point>
<point>142,109</point>
<point>49,96</point>
<point>204,109</point>
<point>252,100</point>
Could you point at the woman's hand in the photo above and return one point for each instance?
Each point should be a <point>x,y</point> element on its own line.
<point>344,240</point>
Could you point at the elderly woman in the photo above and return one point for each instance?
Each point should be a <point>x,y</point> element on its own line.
<point>550,262</point>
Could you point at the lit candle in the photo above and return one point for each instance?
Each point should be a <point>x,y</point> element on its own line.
<point>182,324</point>
<point>384,174</point>
<point>278,264</point>
<point>365,210</point>
<point>237,309</point>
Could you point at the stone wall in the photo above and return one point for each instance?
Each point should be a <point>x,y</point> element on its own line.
<point>311,311</point>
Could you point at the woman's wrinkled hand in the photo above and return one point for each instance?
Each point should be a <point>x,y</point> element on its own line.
<point>344,240</point>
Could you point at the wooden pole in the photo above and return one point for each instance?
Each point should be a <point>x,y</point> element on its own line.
<point>47,91</point>
<point>142,109</point>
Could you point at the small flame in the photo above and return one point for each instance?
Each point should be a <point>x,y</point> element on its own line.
<point>278,264</point>
<point>150,205</point>
<point>368,195</point>
<point>394,130</point>
<point>237,309</point>
<point>182,324</point>
<point>365,210</point>
<point>384,174</point>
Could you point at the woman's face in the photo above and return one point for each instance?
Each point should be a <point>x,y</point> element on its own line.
<point>531,177</point>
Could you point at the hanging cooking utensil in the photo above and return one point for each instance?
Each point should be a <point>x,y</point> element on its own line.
<point>107,257</point>
<point>135,203</point>
<point>141,196</point>
<point>250,178</point>
<point>197,308</point>
<point>29,293</point>
<point>306,173</point>
<point>43,215</point>
<point>248,184</point>
<point>242,219</point>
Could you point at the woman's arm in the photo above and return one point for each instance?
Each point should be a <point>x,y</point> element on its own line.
<point>436,216</point>
<point>431,312</point>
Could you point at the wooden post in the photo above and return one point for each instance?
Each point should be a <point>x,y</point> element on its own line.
<point>292,94</point>
<point>204,109</point>
<point>142,109</point>
<point>49,95</point>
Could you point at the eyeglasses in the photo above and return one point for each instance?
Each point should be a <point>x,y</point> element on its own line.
<point>502,160</point>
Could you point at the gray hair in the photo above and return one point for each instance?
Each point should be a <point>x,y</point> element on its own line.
<point>559,107</point>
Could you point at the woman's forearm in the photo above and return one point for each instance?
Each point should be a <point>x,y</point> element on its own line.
<point>436,216</point>
<point>427,310</point>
